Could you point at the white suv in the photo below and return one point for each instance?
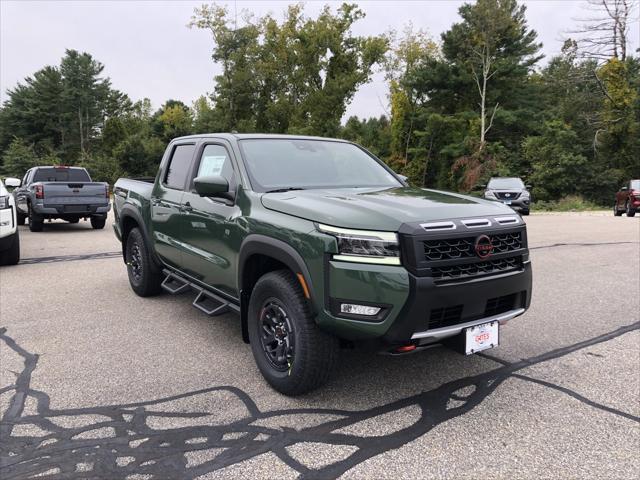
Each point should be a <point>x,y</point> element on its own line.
<point>9,239</point>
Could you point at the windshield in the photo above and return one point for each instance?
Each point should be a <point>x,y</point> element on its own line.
<point>294,163</point>
<point>635,184</point>
<point>505,183</point>
<point>53,174</point>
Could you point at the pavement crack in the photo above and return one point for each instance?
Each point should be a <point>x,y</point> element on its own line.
<point>165,452</point>
<point>579,397</point>
<point>581,244</point>
<point>69,258</point>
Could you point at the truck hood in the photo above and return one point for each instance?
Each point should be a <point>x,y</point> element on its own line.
<point>379,209</point>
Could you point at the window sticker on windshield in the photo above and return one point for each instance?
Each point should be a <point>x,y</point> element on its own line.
<point>211,165</point>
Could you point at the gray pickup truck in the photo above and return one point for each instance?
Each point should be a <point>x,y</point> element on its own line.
<point>61,192</point>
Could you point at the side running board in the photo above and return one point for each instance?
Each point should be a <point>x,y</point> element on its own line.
<point>206,301</point>
<point>174,284</point>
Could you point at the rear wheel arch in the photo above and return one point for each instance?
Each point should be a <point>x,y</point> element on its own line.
<point>130,219</point>
<point>260,255</point>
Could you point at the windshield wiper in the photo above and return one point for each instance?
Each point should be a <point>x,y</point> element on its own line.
<point>285,189</point>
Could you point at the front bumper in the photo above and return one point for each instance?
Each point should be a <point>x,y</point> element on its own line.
<point>419,310</point>
<point>8,224</point>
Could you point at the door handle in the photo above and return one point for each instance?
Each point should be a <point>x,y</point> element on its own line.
<point>186,207</point>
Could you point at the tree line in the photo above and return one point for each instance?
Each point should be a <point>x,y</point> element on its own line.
<point>473,104</point>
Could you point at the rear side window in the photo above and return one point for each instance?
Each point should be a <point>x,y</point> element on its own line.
<point>53,174</point>
<point>178,167</point>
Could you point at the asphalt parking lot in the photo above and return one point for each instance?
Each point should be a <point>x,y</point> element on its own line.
<point>99,383</point>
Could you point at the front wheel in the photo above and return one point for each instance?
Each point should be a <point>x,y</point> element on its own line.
<point>629,211</point>
<point>21,218</point>
<point>11,256</point>
<point>616,212</point>
<point>144,276</point>
<point>292,353</point>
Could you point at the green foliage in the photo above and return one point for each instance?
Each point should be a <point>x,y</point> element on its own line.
<point>558,166</point>
<point>294,76</point>
<point>570,203</point>
<point>18,158</point>
<point>460,111</point>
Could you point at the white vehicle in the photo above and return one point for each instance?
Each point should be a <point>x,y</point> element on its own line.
<point>9,239</point>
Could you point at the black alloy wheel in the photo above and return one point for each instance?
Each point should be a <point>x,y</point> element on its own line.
<point>276,335</point>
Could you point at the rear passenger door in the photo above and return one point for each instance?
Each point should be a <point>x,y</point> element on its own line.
<point>166,202</point>
<point>210,230</point>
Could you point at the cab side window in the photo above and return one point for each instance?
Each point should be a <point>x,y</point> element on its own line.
<point>178,167</point>
<point>215,161</point>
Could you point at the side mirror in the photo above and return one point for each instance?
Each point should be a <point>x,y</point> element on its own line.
<point>481,186</point>
<point>12,182</point>
<point>404,178</point>
<point>528,186</point>
<point>211,186</point>
<point>624,189</point>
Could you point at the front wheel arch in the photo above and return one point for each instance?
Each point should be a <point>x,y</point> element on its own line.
<point>281,255</point>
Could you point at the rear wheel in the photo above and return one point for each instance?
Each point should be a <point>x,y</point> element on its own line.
<point>11,256</point>
<point>629,210</point>
<point>144,276</point>
<point>292,353</point>
<point>36,222</point>
<point>98,222</point>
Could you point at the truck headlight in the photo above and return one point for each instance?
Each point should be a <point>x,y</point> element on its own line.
<point>365,246</point>
<point>4,202</point>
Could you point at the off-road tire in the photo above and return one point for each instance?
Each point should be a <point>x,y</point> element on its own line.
<point>98,222</point>
<point>316,353</point>
<point>21,218</point>
<point>524,212</point>
<point>11,256</point>
<point>631,212</point>
<point>144,275</point>
<point>36,222</point>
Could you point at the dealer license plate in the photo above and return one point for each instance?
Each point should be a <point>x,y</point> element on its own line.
<point>507,202</point>
<point>481,337</point>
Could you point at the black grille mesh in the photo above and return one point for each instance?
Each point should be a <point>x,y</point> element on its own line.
<point>512,195</point>
<point>454,248</point>
<point>471,269</point>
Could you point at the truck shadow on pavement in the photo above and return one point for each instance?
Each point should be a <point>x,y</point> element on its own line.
<point>118,441</point>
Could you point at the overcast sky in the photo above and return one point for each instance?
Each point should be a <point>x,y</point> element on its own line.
<point>149,52</point>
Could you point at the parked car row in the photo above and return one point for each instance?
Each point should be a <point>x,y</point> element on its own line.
<point>314,242</point>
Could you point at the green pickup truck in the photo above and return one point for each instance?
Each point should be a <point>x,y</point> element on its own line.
<point>318,245</point>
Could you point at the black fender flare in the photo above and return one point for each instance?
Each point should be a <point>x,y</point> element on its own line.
<point>129,211</point>
<point>278,250</point>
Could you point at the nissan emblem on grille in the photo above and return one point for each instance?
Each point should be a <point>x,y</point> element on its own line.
<point>483,246</point>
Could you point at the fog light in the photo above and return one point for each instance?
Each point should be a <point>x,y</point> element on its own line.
<point>359,309</point>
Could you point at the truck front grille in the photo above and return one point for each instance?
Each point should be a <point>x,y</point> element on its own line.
<point>508,195</point>
<point>454,248</point>
<point>466,270</point>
